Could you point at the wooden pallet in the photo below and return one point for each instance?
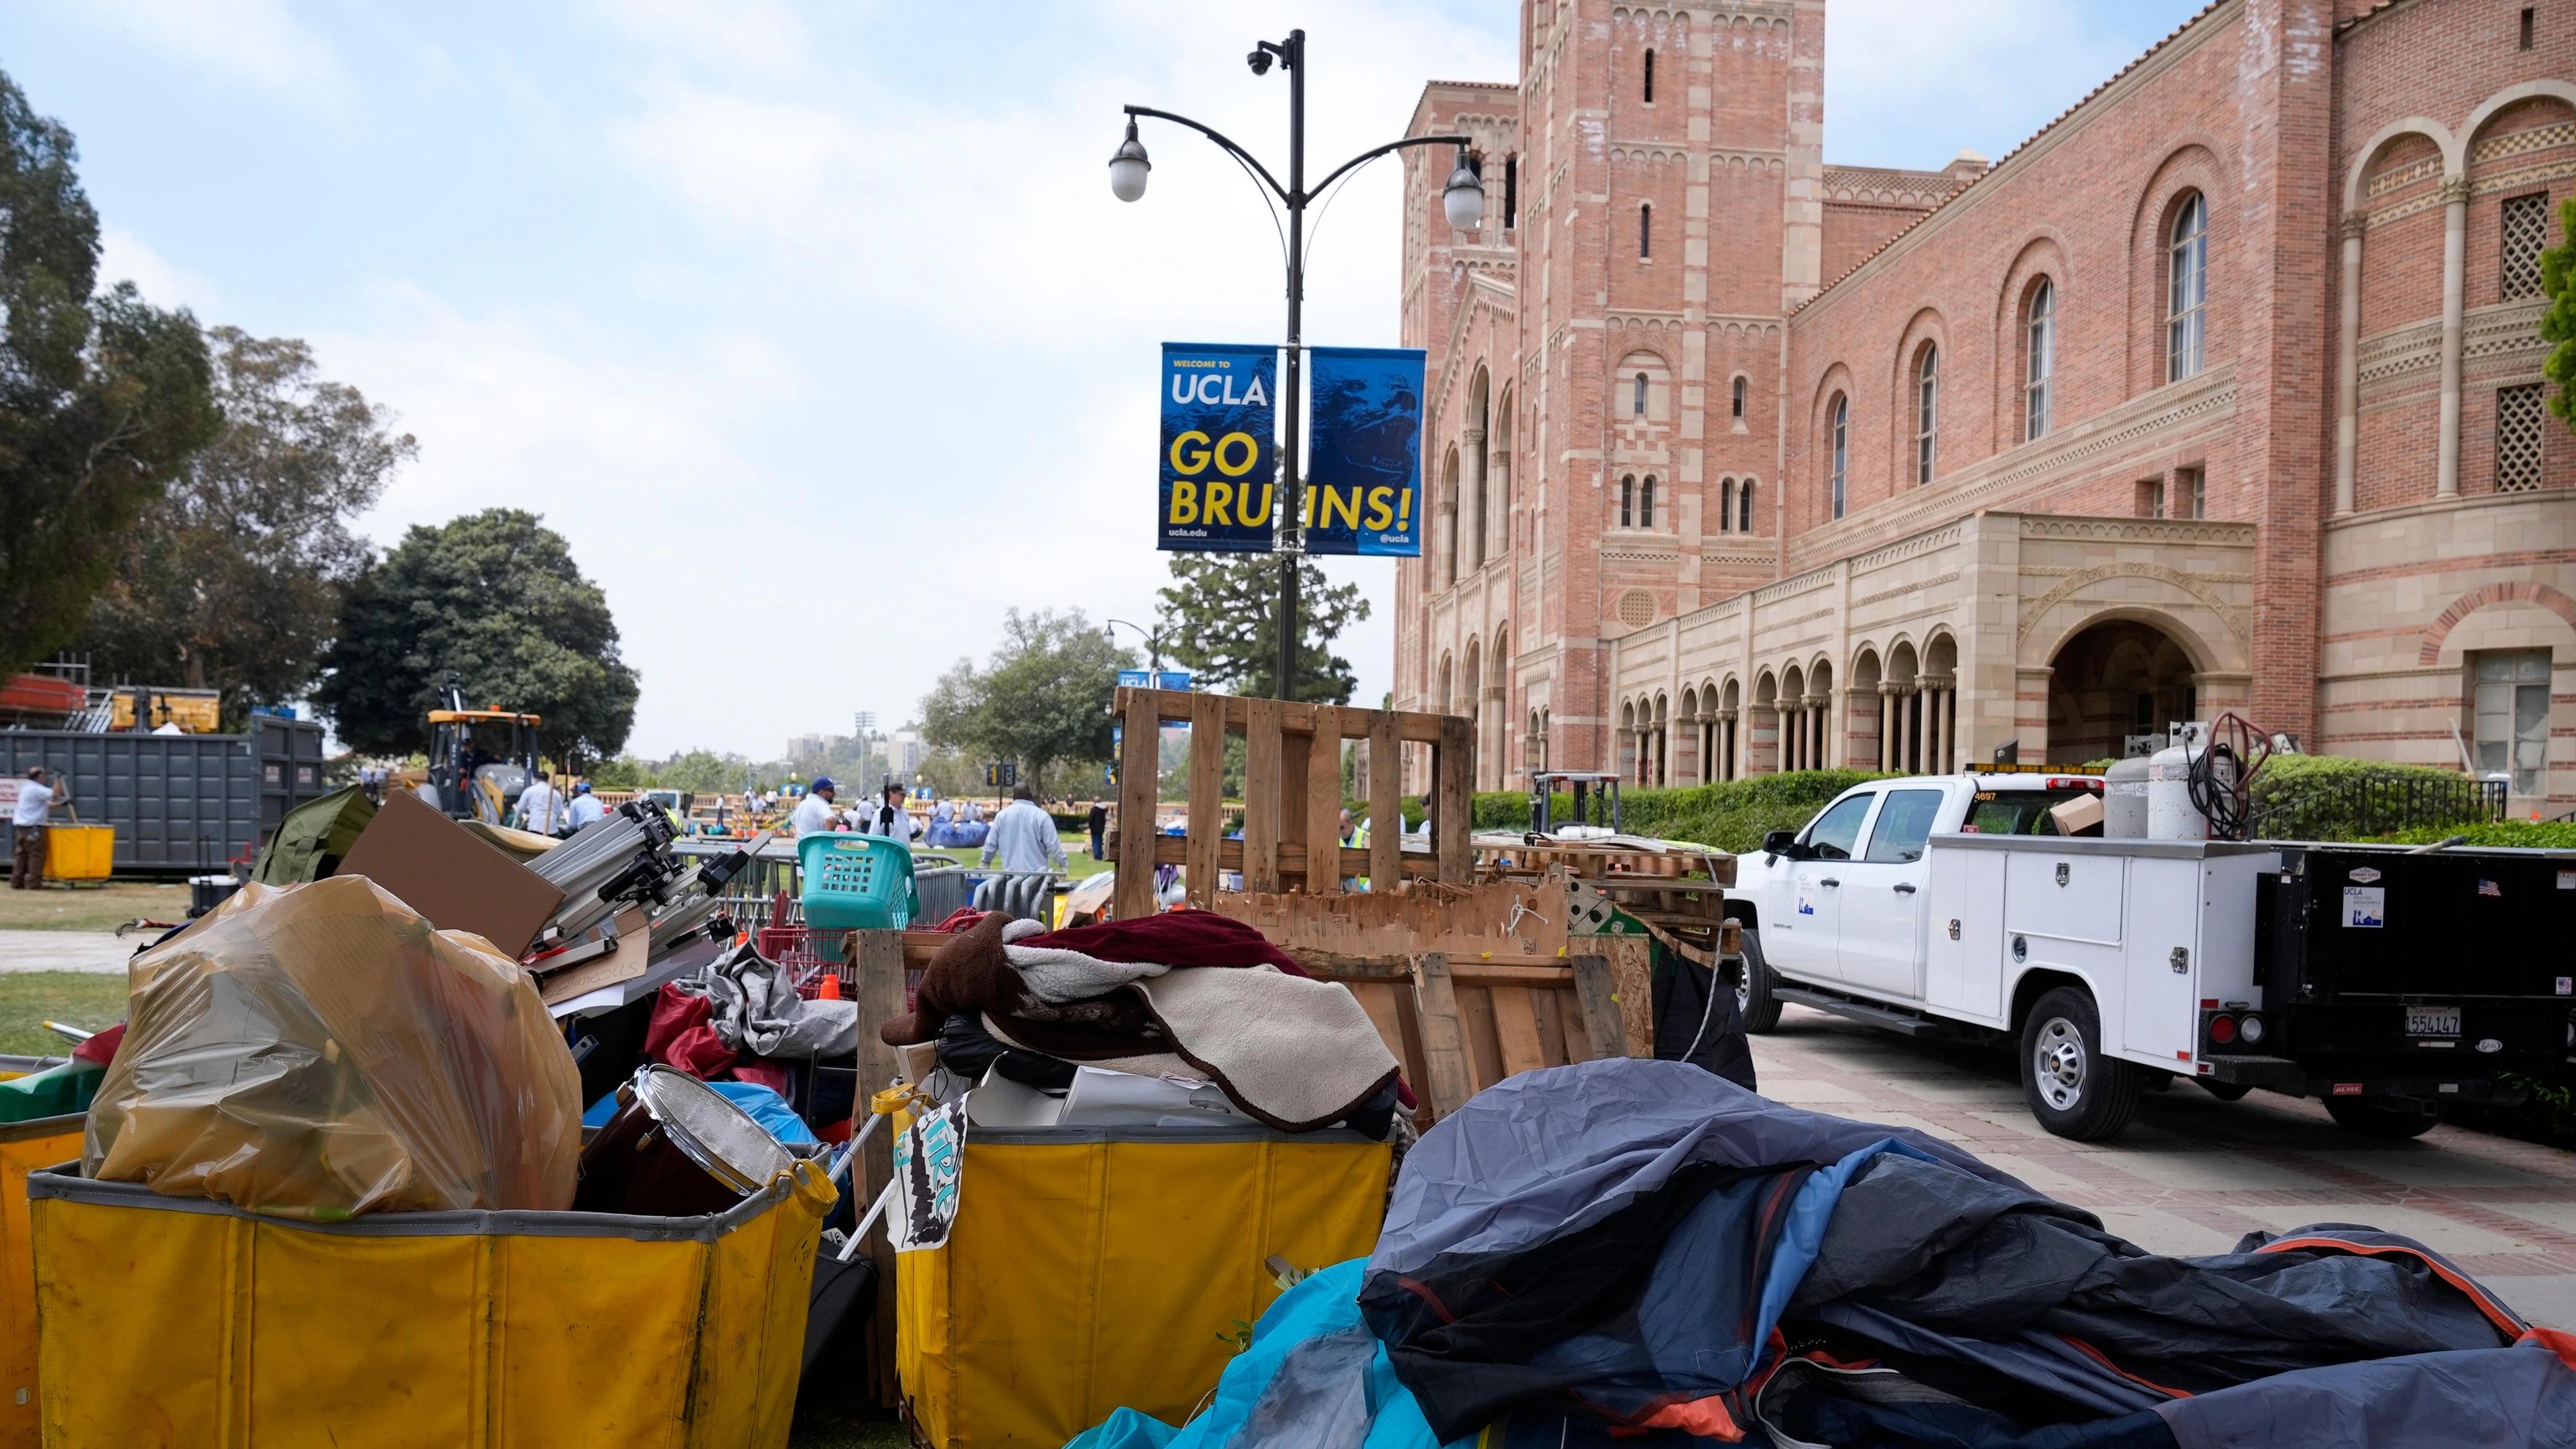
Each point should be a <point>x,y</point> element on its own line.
<point>1292,797</point>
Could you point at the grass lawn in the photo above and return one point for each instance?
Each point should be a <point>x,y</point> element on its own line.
<point>1077,855</point>
<point>99,908</point>
<point>28,999</point>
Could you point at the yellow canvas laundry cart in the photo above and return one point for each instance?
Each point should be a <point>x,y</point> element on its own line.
<point>83,853</point>
<point>183,1321</point>
<point>25,1147</point>
<point>1093,1268</point>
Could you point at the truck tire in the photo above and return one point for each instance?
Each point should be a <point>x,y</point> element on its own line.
<point>2384,1117</point>
<point>2071,1086</point>
<point>1753,988</point>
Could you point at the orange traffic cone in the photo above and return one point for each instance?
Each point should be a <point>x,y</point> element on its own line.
<point>831,989</point>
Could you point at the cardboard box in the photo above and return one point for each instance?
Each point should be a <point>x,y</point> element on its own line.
<point>2078,815</point>
<point>440,869</point>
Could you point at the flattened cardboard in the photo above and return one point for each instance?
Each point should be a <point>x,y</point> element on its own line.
<point>438,868</point>
<point>634,943</point>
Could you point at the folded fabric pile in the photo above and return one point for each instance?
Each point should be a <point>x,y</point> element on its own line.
<point>1187,993</point>
<point>1636,1252</point>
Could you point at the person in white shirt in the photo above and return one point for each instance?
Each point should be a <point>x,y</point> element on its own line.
<point>889,818</point>
<point>813,814</point>
<point>585,808</point>
<point>541,807</point>
<point>1024,836</point>
<point>34,804</point>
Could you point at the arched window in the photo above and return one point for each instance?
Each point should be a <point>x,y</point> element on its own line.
<point>1645,231</point>
<point>1726,505</point>
<point>1739,399</point>
<point>1650,77</point>
<point>1646,502</point>
<point>2041,344</point>
<point>1927,414</point>
<point>1841,424</point>
<point>1628,501</point>
<point>1638,407</point>
<point>2187,305</point>
<point>1744,506</point>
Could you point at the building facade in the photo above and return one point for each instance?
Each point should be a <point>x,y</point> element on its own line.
<point>2222,392</point>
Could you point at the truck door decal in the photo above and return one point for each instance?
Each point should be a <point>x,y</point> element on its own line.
<point>2365,907</point>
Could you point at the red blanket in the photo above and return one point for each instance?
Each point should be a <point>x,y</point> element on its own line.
<point>1173,938</point>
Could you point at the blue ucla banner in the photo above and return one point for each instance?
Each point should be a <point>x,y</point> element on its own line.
<point>1364,478</point>
<point>1219,481</point>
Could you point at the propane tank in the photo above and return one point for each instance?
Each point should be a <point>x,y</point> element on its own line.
<point>2124,800</point>
<point>2170,813</point>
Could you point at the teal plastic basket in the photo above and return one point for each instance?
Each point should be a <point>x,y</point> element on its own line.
<point>861,882</point>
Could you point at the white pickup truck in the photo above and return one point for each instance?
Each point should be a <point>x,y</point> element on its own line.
<point>1950,905</point>
<point>2388,983</point>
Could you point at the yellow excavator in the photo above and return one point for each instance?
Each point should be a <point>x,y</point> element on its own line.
<point>479,759</point>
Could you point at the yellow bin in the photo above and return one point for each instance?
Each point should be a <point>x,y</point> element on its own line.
<point>79,852</point>
<point>1090,1269</point>
<point>25,1147</point>
<point>182,1321</point>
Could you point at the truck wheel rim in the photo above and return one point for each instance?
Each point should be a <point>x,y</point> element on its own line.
<point>1744,989</point>
<point>2057,1064</point>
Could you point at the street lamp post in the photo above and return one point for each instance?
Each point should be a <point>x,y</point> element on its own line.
<point>1153,644</point>
<point>1463,199</point>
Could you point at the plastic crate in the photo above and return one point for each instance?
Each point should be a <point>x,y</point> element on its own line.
<point>856,881</point>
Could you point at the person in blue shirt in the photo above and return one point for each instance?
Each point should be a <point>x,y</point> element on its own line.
<point>585,806</point>
<point>1023,836</point>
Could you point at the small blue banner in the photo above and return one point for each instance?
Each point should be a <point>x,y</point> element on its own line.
<point>1218,469</point>
<point>1364,470</point>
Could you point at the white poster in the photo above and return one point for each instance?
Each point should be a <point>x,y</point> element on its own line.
<point>2365,907</point>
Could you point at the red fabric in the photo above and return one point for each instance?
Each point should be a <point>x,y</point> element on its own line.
<point>960,919</point>
<point>835,1132</point>
<point>679,1035</point>
<point>1173,938</point>
<point>763,1074</point>
<point>2561,1344</point>
<point>100,1048</point>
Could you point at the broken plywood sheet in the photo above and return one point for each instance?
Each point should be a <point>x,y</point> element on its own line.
<point>1522,920</point>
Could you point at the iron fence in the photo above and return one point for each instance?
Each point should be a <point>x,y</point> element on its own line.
<point>2368,806</point>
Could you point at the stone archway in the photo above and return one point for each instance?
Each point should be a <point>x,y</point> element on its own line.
<point>2114,679</point>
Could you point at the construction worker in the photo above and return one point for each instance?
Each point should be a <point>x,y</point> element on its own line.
<point>541,807</point>
<point>813,814</point>
<point>585,807</point>
<point>35,802</point>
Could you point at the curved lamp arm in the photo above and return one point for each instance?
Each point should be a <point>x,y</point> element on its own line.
<point>1219,137</point>
<point>1375,152</point>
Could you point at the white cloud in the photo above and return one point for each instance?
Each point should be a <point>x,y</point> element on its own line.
<point>125,257</point>
<point>257,42</point>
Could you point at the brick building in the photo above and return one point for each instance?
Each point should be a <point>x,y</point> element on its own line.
<point>2221,392</point>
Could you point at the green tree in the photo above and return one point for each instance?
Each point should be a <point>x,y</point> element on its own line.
<point>2558,324</point>
<point>102,398</point>
<point>1043,700</point>
<point>1221,614</point>
<point>233,579</point>
<point>496,597</point>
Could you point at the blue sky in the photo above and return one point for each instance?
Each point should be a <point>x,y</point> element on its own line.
<point>814,327</point>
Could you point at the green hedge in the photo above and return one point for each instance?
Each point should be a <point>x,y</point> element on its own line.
<point>2536,834</point>
<point>1733,816</point>
<point>2336,797</point>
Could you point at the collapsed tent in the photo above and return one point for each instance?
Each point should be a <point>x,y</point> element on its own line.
<point>1638,1252</point>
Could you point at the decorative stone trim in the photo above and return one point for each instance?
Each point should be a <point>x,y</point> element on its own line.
<point>1934,582</point>
<point>2142,530</point>
<point>2522,591</point>
<point>2196,585</point>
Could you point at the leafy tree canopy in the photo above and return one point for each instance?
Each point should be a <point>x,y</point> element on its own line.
<point>496,597</point>
<point>102,397</point>
<point>1221,618</point>
<point>1042,701</point>
<point>2558,324</point>
<point>233,579</point>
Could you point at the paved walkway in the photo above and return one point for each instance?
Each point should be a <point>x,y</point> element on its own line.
<point>97,951</point>
<point>2192,1173</point>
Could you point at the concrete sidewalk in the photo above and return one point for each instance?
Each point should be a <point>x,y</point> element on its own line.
<point>92,951</point>
<point>2193,1174</point>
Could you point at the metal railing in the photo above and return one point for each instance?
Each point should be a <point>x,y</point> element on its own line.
<point>2368,806</point>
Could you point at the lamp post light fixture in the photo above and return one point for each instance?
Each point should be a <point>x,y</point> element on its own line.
<point>1462,200</point>
<point>1153,644</point>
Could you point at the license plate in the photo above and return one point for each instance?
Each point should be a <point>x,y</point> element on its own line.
<point>2432,1021</point>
